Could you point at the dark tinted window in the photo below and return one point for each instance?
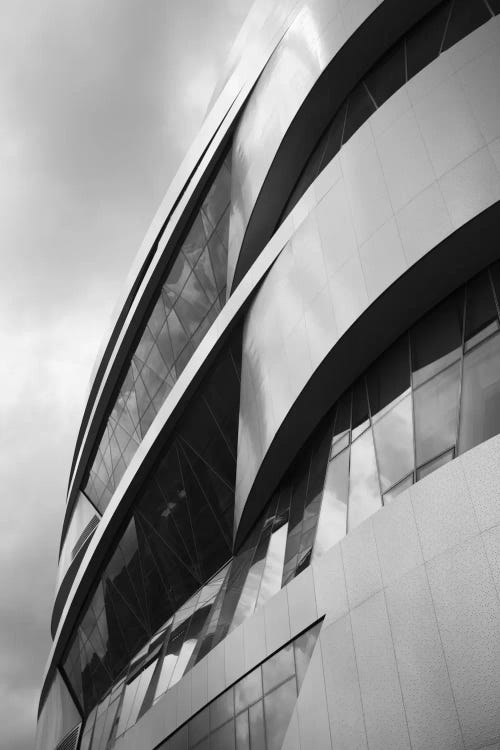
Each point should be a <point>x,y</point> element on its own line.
<point>481,313</point>
<point>389,377</point>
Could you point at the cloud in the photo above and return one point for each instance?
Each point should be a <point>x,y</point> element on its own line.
<point>100,100</point>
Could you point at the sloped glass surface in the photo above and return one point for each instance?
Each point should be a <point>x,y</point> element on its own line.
<point>190,299</point>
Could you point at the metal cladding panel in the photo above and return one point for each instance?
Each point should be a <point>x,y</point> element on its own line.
<point>316,34</point>
<point>357,239</point>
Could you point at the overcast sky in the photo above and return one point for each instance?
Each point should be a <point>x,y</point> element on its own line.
<point>99,100</point>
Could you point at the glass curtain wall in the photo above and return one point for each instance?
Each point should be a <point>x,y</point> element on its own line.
<point>254,712</point>
<point>188,302</point>
<point>443,27</point>
<point>179,535</point>
<point>432,395</point>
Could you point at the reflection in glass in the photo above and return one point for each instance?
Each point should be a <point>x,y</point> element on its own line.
<point>394,443</point>
<point>360,417</point>
<point>389,377</point>
<point>436,414</point>
<point>248,690</point>
<point>332,524</point>
<point>256,721</point>
<point>192,295</point>
<point>436,340</point>
<point>199,727</point>
<point>242,731</point>
<point>223,738</point>
<point>271,577</point>
<point>221,709</point>
<point>143,682</point>
<point>391,494</point>
<point>278,707</point>
<point>364,493</point>
<point>278,668</point>
<point>127,703</point>
<point>342,418</point>
<point>303,647</point>
<point>481,318</point>
<point>480,401</point>
<point>435,464</point>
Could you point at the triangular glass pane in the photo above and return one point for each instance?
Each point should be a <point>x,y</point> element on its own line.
<point>116,453</point>
<point>165,511</point>
<point>133,630</point>
<point>161,357</point>
<point>156,591</point>
<point>129,451</point>
<point>195,241</point>
<point>176,278</point>
<point>118,471</point>
<point>212,549</point>
<point>157,318</point>
<point>143,398</point>
<point>130,550</point>
<point>163,392</point>
<point>148,418</point>
<point>117,574</point>
<point>145,344</point>
<point>205,275</point>
<point>193,304</point>
<point>218,256</point>
<point>122,437</point>
<point>183,359</point>
<point>152,380</point>
<point>303,647</point>
<point>218,197</point>
<point>131,406</point>
<point>219,493</point>
<point>178,335</point>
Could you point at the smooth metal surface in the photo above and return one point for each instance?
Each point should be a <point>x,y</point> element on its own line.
<point>322,56</point>
<point>418,170</point>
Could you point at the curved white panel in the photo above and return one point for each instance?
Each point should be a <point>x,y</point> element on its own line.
<point>425,164</point>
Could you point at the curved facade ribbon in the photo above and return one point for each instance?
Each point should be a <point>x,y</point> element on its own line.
<point>282,526</point>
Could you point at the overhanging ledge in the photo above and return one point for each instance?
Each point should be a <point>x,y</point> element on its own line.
<point>446,267</point>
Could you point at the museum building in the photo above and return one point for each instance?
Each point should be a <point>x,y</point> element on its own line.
<point>282,527</point>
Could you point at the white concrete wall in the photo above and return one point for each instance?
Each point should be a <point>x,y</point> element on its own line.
<point>409,651</point>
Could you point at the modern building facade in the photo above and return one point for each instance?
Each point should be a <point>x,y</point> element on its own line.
<point>283,515</point>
